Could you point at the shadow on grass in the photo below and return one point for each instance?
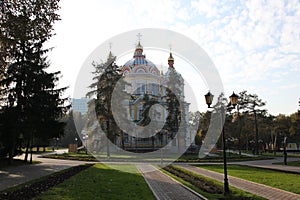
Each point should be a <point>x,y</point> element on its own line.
<point>102,182</point>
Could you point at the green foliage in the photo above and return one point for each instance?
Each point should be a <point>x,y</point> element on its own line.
<point>199,137</point>
<point>70,131</point>
<point>27,89</point>
<point>107,77</point>
<point>173,102</point>
<point>295,126</point>
<point>245,125</point>
<point>249,124</point>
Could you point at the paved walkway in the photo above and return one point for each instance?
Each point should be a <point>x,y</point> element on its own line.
<point>255,188</point>
<point>165,187</point>
<point>268,164</point>
<point>15,175</point>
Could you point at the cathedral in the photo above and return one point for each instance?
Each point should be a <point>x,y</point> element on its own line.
<point>148,102</point>
<point>147,82</point>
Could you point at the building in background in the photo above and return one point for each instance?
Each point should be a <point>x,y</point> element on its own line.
<point>80,105</point>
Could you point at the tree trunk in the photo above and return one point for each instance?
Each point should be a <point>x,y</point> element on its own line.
<point>31,149</point>
<point>284,151</point>
<point>107,137</point>
<point>274,145</point>
<point>153,140</point>
<point>178,138</point>
<point>256,133</point>
<point>30,155</point>
<point>122,140</point>
<point>284,155</point>
<point>11,153</point>
<point>240,132</point>
<point>247,142</point>
<point>26,151</point>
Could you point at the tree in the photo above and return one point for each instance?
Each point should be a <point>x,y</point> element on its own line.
<point>221,114</point>
<point>248,108</point>
<point>295,126</point>
<point>106,77</point>
<point>71,132</point>
<point>27,88</point>
<point>240,117</point>
<point>199,137</point>
<point>282,125</point>
<point>267,130</point>
<point>196,118</point>
<point>282,130</point>
<point>173,103</point>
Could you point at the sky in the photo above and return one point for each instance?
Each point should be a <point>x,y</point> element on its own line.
<point>255,45</point>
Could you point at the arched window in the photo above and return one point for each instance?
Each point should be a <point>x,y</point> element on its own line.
<point>140,71</point>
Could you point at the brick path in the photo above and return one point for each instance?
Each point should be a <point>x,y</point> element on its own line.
<point>165,187</point>
<point>255,188</point>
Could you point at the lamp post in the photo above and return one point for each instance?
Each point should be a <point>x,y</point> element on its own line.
<point>85,138</point>
<point>233,102</point>
<point>76,144</point>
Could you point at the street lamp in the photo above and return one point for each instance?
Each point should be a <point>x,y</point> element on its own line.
<point>234,99</point>
<point>209,98</point>
<point>85,138</point>
<point>233,102</point>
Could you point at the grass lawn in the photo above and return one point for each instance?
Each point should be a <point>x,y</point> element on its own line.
<point>72,156</point>
<point>235,192</point>
<point>118,157</point>
<point>102,182</point>
<point>282,180</point>
<point>41,150</point>
<point>232,157</point>
<point>290,163</point>
<point>280,154</point>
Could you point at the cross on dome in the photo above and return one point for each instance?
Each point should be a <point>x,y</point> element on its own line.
<point>110,45</point>
<point>139,47</point>
<point>171,59</point>
<point>139,35</point>
<point>110,55</point>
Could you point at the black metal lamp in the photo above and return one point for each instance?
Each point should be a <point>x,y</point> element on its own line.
<point>209,98</point>
<point>234,99</point>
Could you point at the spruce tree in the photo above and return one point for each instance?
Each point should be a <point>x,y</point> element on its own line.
<point>173,103</point>
<point>26,87</point>
<point>107,75</point>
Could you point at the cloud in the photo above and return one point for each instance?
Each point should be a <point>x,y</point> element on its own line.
<point>254,44</point>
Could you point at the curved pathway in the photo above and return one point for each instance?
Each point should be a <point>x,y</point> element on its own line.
<point>164,187</point>
<point>15,175</point>
<point>268,164</point>
<point>249,186</point>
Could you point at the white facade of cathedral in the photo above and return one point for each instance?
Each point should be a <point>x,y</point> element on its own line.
<point>146,79</point>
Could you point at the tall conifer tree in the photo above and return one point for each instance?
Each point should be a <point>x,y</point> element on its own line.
<point>27,90</point>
